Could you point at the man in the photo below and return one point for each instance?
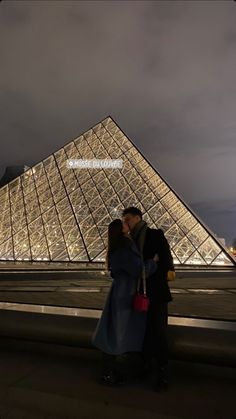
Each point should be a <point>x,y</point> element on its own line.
<point>152,242</point>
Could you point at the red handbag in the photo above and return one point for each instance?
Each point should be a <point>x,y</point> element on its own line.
<point>141,301</point>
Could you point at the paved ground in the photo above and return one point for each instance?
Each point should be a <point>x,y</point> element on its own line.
<point>65,385</point>
<point>206,295</point>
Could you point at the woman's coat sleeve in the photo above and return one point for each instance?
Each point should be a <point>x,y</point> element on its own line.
<point>150,267</point>
<point>126,260</point>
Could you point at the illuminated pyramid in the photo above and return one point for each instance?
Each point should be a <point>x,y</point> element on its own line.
<point>55,213</point>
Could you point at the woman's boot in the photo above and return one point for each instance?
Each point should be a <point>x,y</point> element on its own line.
<point>110,376</point>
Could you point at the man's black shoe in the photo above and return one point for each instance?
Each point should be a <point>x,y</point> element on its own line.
<point>161,382</point>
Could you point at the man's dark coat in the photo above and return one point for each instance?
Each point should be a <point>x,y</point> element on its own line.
<point>157,284</point>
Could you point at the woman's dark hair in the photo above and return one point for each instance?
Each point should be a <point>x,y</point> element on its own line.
<point>116,238</point>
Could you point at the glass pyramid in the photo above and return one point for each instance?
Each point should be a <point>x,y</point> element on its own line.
<point>55,213</point>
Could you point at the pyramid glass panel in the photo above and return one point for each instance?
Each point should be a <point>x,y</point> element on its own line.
<point>195,259</point>
<point>183,249</point>
<point>187,222</point>
<point>6,250</point>
<point>221,259</point>
<point>54,212</point>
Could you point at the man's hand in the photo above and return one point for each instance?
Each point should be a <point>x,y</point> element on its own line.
<point>171,275</point>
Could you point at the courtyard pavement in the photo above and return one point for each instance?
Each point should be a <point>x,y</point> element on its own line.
<point>210,296</point>
<point>51,384</point>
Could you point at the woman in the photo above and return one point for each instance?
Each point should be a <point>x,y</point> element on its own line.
<point>120,328</point>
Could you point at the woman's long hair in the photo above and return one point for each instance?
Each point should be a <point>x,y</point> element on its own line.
<point>116,239</point>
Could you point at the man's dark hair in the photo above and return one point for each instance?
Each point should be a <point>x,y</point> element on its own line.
<point>133,211</point>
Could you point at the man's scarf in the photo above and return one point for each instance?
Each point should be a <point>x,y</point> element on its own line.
<point>139,233</point>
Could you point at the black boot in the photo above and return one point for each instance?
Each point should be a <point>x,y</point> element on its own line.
<point>112,378</point>
<point>110,374</point>
<point>161,379</point>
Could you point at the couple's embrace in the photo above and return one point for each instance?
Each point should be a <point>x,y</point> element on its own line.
<point>132,248</point>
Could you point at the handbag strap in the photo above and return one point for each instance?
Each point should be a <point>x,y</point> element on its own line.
<point>142,278</point>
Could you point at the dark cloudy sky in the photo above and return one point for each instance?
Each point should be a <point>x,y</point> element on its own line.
<point>166,71</point>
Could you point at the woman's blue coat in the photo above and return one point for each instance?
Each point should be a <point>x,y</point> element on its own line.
<point>120,328</point>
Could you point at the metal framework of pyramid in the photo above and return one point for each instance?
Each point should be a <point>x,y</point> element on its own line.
<point>55,213</point>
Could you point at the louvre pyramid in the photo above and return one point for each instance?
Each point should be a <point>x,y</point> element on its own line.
<point>55,213</point>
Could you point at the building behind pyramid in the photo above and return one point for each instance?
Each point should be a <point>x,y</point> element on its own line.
<point>55,213</point>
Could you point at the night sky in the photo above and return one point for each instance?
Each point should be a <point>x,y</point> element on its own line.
<point>165,71</point>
